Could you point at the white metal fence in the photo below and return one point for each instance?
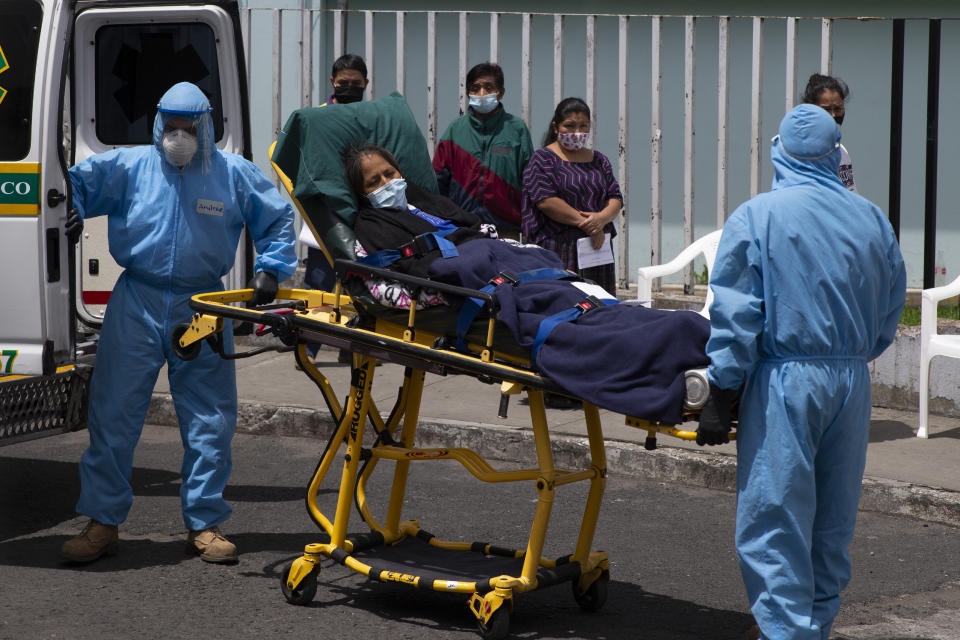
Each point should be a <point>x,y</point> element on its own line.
<point>323,35</point>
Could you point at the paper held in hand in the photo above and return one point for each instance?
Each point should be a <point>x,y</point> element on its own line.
<point>587,256</point>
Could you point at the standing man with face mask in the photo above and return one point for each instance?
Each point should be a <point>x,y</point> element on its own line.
<point>481,156</point>
<point>348,77</point>
<point>175,211</point>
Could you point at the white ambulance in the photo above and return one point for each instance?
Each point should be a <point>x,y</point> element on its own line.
<point>79,77</point>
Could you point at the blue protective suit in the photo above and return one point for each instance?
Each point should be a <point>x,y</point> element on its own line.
<point>809,284</point>
<point>175,233</point>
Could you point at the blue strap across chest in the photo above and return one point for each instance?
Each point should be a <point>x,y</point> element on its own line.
<point>417,247</point>
<point>567,315</point>
<point>471,307</point>
<point>440,223</point>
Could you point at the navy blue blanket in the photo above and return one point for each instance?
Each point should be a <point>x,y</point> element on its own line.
<point>625,358</point>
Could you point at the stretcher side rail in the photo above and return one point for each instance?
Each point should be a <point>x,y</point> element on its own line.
<point>389,344</point>
<point>418,352</point>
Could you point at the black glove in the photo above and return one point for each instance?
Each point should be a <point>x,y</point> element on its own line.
<point>264,286</point>
<point>716,416</point>
<point>73,227</point>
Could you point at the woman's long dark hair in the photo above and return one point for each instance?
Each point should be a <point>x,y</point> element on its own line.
<point>351,163</point>
<point>818,83</point>
<point>567,106</point>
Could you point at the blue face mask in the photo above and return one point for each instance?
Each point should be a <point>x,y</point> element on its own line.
<point>484,104</point>
<point>392,195</point>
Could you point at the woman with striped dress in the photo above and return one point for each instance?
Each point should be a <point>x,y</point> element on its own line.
<point>569,193</point>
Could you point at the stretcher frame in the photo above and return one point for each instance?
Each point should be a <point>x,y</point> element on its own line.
<point>331,318</point>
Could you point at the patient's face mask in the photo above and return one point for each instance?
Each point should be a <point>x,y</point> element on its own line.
<point>179,147</point>
<point>484,104</point>
<point>574,141</point>
<point>392,195</point>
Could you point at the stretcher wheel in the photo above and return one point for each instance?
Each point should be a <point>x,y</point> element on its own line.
<point>497,627</point>
<point>595,596</point>
<point>189,352</point>
<point>304,592</point>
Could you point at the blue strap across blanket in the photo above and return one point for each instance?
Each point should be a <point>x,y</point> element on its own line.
<point>567,315</point>
<point>470,308</point>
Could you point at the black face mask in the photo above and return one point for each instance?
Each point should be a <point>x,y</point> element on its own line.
<point>348,94</point>
<point>839,119</point>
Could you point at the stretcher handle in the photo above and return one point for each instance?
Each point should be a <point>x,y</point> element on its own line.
<point>343,267</point>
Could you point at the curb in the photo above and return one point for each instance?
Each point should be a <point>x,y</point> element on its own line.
<point>497,442</point>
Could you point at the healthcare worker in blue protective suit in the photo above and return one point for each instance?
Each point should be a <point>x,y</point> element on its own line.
<point>808,284</point>
<point>175,212</point>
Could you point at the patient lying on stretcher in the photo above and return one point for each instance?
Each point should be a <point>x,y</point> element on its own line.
<point>622,357</point>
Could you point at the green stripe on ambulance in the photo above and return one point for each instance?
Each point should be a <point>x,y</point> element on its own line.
<point>19,191</point>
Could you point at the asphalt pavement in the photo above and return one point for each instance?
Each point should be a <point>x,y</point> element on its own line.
<point>904,475</point>
<point>673,569</point>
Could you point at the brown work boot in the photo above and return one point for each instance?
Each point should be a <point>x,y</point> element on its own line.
<point>94,541</point>
<point>211,546</point>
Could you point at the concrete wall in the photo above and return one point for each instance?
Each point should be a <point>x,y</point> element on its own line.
<point>895,375</point>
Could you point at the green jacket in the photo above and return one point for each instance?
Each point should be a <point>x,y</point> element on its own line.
<point>479,165</point>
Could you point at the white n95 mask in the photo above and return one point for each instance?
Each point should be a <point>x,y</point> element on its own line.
<point>179,147</point>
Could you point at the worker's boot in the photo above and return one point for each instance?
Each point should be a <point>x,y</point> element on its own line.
<point>211,546</point>
<point>94,541</point>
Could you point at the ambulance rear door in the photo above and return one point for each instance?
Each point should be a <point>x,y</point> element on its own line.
<point>36,313</point>
<point>42,384</point>
<point>126,55</point>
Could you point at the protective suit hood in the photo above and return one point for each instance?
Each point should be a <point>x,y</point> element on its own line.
<point>186,100</point>
<point>807,148</point>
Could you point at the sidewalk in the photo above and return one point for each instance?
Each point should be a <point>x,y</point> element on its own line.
<point>904,475</point>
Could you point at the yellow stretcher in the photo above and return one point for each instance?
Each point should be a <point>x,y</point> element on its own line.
<point>384,551</point>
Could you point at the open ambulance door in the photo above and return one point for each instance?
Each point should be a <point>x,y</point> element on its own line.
<point>126,55</point>
<point>41,391</point>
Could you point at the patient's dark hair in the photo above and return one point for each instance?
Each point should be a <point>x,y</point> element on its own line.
<point>349,61</point>
<point>351,163</point>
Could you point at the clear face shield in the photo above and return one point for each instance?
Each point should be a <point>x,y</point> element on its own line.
<point>185,137</point>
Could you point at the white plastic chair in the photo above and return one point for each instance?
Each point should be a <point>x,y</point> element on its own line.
<point>707,246</point>
<point>933,344</point>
